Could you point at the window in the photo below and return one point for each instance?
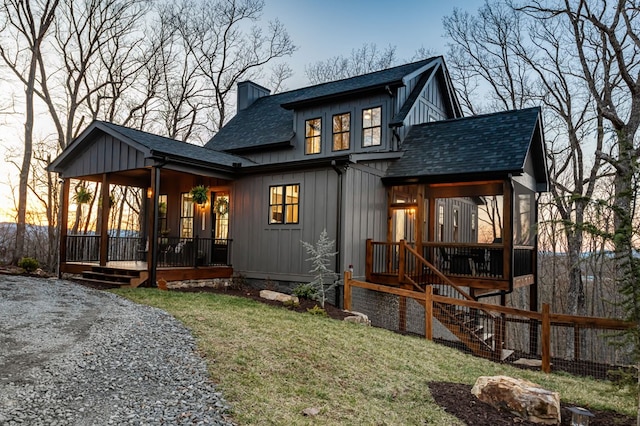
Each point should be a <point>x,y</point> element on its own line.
<point>162,215</point>
<point>371,126</point>
<point>312,135</point>
<point>455,224</point>
<point>186,215</point>
<point>473,221</point>
<point>441,222</point>
<point>220,208</point>
<point>341,127</point>
<point>284,204</point>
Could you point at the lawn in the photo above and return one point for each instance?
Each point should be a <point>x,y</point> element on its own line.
<point>271,364</point>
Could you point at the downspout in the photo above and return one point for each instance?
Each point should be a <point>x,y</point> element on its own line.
<point>338,267</point>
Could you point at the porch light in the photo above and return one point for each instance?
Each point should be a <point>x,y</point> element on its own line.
<point>580,416</point>
<point>149,192</point>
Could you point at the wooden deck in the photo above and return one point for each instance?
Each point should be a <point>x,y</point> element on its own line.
<point>167,273</point>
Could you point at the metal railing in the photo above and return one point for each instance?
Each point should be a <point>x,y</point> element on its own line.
<point>126,249</point>
<point>82,248</point>
<point>193,252</point>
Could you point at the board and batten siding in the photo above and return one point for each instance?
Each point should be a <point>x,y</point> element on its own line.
<point>262,250</point>
<point>365,212</point>
<point>107,154</point>
<point>467,208</point>
<point>429,106</point>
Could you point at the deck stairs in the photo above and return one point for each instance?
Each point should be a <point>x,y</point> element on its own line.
<point>477,329</point>
<point>115,276</point>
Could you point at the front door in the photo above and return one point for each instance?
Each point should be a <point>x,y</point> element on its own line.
<point>220,228</point>
<point>403,224</point>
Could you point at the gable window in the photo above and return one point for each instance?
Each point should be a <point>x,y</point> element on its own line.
<point>284,202</point>
<point>312,135</point>
<point>341,127</point>
<point>186,215</point>
<point>371,126</point>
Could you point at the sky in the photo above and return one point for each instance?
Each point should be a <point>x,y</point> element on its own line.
<point>320,28</point>
<point>324,29</point>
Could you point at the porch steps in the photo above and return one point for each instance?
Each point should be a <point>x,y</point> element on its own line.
<point>115,276</point>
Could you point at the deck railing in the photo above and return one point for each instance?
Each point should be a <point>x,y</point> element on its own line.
<point>172,251</point>
<point>193,252</point>
<point>82,248</point>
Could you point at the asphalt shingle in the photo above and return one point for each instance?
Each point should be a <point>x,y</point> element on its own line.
<point>484,143</point>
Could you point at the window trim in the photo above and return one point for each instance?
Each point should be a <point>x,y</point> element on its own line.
<point>364,129</point>
<point>283,204</point>
<point>334,133</point>
<point>308,138</point>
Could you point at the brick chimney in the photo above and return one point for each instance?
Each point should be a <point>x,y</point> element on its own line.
<point>248,92</point>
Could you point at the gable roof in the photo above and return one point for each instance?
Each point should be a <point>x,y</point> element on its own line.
<point>492,145</point>
<point>269,120</point>
<point>151,147</point>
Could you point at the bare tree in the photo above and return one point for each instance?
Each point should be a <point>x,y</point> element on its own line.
<point>220,41</point>
<point>27,24</point>
<point>365,59</point>
<point>524,62</point>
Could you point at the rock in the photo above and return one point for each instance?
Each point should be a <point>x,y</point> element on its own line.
<point>357,318</point>
<point>520,397</point>
<point>280,297</point>
<point>311,411</point>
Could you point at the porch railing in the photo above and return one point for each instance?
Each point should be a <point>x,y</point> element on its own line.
<point>193,252</point>
<point>82,248</point>
<point>467,260</point>
<point>172,251</point>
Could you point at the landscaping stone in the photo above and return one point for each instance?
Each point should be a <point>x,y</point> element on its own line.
<point>280,297</point>
<point>358,318</point>
<point>520,397</point>
<point>311,411</point>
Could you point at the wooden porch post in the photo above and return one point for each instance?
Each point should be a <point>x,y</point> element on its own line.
<point>64,224</point>
<point>507,231</point>
<point>104,220</point>
<point>431,225</point>
<point>153,234</point>
<point>347,290</point>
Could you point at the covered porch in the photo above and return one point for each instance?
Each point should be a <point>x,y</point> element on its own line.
<point>127,205</point>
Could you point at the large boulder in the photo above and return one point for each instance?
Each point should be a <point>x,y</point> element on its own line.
<point>520,397</point>
<point>280,297</point>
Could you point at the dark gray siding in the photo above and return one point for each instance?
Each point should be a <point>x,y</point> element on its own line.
<point>262,250</point>
<point>365,211</point>
<point>105,155</point>
<point>429,106</point>
<point>466,209</point>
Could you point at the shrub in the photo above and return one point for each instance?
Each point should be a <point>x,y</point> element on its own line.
<point>290,304</point>
<point>238,281</point>
<point>29,264</point>
<point>305,291</point>
<point>317,310</point>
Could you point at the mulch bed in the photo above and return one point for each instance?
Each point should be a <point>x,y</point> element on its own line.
<point>455,398</point>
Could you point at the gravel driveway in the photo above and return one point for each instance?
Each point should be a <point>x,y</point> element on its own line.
<point>70,355</point>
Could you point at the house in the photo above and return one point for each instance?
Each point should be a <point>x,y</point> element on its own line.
<point>384,162</point>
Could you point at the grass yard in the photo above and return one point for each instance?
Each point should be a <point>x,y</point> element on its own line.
<point>271,364</point>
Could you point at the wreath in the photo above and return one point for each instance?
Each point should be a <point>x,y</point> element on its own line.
<point>221,206</point>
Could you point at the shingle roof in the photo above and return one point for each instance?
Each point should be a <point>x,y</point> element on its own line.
<point>480,144</point>
<point>172,147</point>
<point>267,122</point>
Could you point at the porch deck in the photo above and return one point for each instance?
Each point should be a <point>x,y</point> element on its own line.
<point>481,267</point>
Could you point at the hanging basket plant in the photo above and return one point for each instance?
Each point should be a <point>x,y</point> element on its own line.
<point>199,194</point>
<point>221,206</point>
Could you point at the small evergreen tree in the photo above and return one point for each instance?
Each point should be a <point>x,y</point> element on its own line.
<point>320,257</point>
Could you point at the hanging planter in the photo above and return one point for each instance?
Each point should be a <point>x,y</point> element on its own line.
<point>221,206</point>
<point>199,194</point>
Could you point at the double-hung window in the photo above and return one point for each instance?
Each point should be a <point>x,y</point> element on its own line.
<point>186,215</point>
<point>341,133</point>
<point>284,204</point>
<point>371,126</point>
<point>312,136</point>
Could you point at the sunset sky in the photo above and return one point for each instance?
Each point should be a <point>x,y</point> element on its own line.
<point>320,29</point>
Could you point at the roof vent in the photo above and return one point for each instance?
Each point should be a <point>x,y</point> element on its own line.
<point>248,92</point>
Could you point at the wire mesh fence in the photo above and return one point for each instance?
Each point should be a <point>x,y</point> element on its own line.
<point>586,346</point>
